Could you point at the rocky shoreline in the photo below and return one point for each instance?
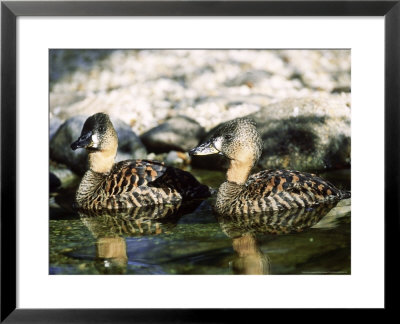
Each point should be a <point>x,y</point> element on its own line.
<point>162,103</point>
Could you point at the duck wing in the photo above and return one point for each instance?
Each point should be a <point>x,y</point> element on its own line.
<point>142,183</point>
<point>289,189</point>
<point>183,182</point>
<point>130,174</point>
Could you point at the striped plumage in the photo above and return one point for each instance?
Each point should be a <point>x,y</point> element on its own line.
<point>137,183</point>
<point>127,184</point>
<point>266,191</point>
<point>275,190</point>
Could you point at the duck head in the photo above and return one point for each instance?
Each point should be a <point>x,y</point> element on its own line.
<point>240,142</point>
<point>97,134</point>
<point>100,140</point>
<point>237,139</point>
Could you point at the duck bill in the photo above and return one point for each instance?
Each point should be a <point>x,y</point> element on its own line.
<point>204,149</point>
<point>82,142</point>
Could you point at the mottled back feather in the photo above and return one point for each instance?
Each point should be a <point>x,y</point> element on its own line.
<point>274,190</point>
<point>138,183</point>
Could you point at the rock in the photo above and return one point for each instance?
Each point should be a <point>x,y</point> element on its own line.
<point>62,176</point>
<point>60,145</point>
<point>54,182</point>
<point>129,144</point>
<point>306,134</point>
<point>178,133</point>
<point>55,123</point>
<point>129,147</point>
<point>177,159</point>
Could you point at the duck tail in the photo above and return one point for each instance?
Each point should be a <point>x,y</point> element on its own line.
<point>344,194</point>
<point>201,191</point>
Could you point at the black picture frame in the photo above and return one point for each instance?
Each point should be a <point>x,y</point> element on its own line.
<point>10,10</point>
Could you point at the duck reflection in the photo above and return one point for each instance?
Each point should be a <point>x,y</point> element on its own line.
<point>110,228</point>
<point>249,258</point>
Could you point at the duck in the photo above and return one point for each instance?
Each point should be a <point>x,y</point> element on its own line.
<point>130,183</point>
<point>268,190</point>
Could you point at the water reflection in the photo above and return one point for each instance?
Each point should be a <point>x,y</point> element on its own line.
<point>243,230</point>
<point>249,257</point>
<point>110,228</point>
<point>183,240</point>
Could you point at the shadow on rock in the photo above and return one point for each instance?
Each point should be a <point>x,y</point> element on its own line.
<point>301,134</point>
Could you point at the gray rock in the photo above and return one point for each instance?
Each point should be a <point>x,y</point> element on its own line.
<point>54,124</point>
<point>129,147</point>
<point>177,159</point>
<point>129,144</point>
<point>67,179</point>
<point>307,134</point>
<point>178,133</point>
<point>60,145</point>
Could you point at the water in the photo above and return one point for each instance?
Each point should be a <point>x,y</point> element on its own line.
<point>192,240</point>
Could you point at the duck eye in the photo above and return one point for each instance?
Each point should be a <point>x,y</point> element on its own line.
<point>228,137</point>
<point>101,129</point>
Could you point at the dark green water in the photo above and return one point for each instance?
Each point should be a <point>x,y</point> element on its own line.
<point>192,240</point>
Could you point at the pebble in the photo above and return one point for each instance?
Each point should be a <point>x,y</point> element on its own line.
<point>147,89</point>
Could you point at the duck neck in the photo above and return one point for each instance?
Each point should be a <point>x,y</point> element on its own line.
<point>102,161</point>
<point>227,196</point>
<point>239,171</point>
<point>90,181</point>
